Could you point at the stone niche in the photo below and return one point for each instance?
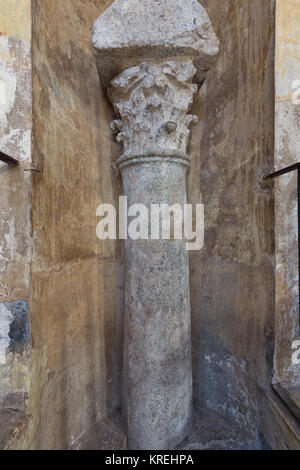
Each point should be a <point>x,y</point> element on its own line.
<point>153,56</point>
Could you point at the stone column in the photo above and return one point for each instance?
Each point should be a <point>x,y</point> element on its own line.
<point>155,50</point>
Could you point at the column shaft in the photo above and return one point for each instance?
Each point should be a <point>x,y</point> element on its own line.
<point>157,355</point>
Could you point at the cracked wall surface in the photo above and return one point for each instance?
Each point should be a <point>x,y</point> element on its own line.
<point>15,204</point>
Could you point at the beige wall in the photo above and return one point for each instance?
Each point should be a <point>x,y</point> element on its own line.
<point>76,280</point>
<point>232,278</point>
<point>15,202</point>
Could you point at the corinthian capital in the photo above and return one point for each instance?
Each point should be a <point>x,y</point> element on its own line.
<point>152,101</point>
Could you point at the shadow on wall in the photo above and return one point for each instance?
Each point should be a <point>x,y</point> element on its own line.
<point>232,278</point>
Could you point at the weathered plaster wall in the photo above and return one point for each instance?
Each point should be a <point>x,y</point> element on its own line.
<point>15,203</point>
<point>232,278</point>
<point>76,280</point>
<point>287,153</point>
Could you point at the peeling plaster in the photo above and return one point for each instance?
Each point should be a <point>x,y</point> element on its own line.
<point>287,151</point>
<point>8,81</point>
<point>15,20</point>
<point>5,321</point>
<point>15,204</point>
<point>14,329</point>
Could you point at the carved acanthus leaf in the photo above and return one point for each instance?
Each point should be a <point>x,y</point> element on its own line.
<point>152,102</point>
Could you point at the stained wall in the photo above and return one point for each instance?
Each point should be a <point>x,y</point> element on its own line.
<point>232,278</point>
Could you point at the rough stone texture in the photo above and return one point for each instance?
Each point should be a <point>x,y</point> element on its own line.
<point>15,200</point>
<point>286,153</point>
<point>152,99</point>
<point>104,435</point>
<point>157,335</point>
<point>133,30</point>
<point>13,416</point>
<point>211,431</point>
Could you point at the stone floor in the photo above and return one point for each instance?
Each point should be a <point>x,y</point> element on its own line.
<point>213,432</point>
<point>210,431</point>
